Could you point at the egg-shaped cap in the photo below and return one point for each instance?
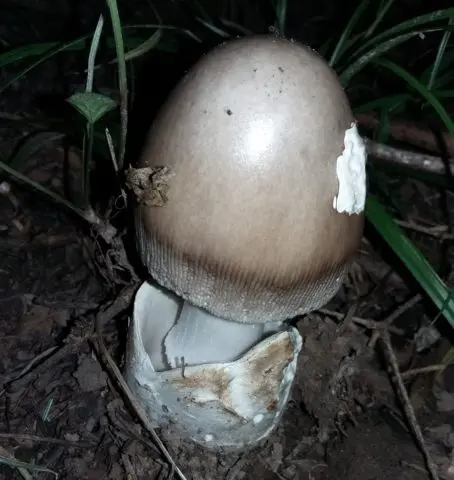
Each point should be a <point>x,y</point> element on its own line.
<point>264,205</point>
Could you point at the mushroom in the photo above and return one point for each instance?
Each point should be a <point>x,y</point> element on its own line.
<point>249,213</point>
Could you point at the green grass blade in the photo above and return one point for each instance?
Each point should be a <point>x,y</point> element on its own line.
<point>444,93</point>
<point>421,89</point>
<point>446,79</point>
<point>30,145</point>
<point>202,12</point>
<point>213,28</point>
<point>74,44</point>
<point>415,22</point>
<point>341,44</point>
<point>92,54</point>
<point>440,54</point>
<point>388,103</point>
<point>122,77</point>
<point>155,26</point>
<point>19,177</point>
<point>22,53</point>
<point>281,16</point>
<point>380,15</point>
<point>378,50</point>
<point>235,26</point>
<point>411,257</point>
<point>446,66</point>
<point>144,47</point>
<point>12,462</point>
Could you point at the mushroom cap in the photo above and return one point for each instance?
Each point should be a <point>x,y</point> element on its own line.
<point>249,231</point>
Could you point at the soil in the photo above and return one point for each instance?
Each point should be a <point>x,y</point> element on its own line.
<point>61,412</point>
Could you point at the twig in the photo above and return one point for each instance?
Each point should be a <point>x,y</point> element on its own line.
<point>396,314</point>
<point>128,467</point>
<point>428,369</point>
<point>421,469</point>
<point>413,466</point>
<point>406,158</point>
<point>439,231</point>
<point>120,304</point>
<point>347,320</point>
<point>36,438</point>
<point>235,469</point>
<point>71,344</point>
<point>41,356</point>
<point>408,408</point>
<point>364,322</point>
<point>410,133</point>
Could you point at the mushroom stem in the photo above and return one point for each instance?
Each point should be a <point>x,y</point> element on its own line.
<point>197,337</point>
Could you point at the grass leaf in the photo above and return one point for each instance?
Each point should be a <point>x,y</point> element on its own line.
<point>411,257</point>
<point>421,89</point>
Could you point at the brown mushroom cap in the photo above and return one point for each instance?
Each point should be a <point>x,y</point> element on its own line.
<point>249,232</point>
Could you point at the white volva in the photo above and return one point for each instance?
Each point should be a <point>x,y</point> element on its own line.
<point>229,404</point>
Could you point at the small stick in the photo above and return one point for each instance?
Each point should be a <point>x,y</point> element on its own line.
<point>36,438</point>
<point>421,469</point>
<point>364,322</point>
<point>47,353</point>
<point>439,231</point>
<point>347,320</point>
<point>235,469</point>
<point>396,314</point>
<point>428,369</point>
<point>408,408</point>
<point>124,300</point>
